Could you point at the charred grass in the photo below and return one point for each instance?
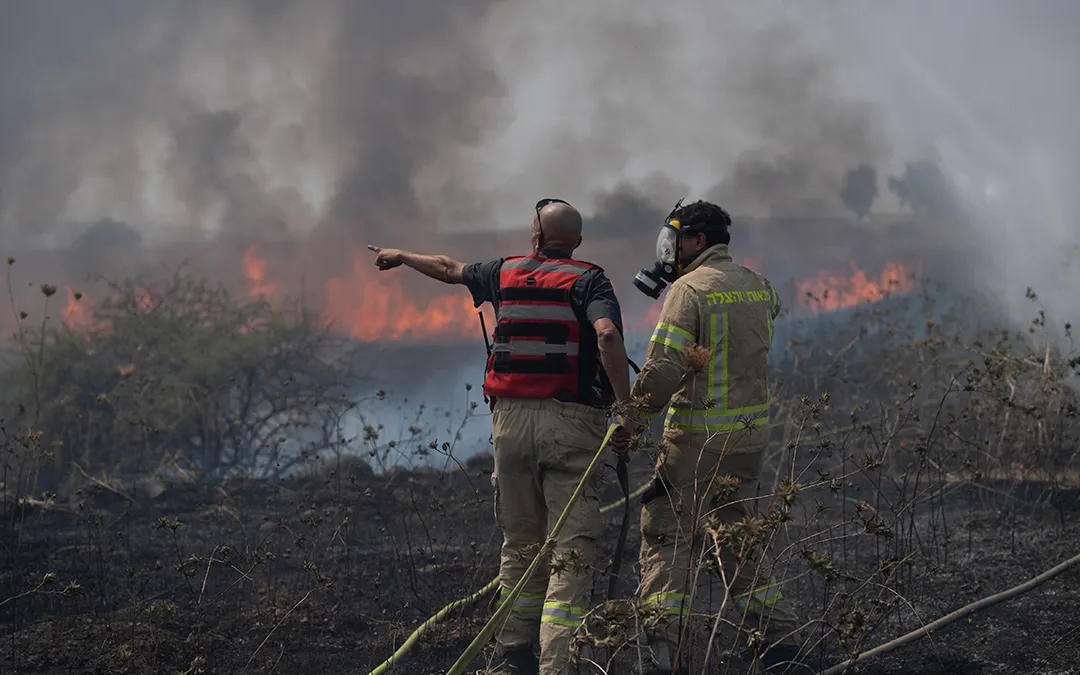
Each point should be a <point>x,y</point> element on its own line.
<point>179,497</point>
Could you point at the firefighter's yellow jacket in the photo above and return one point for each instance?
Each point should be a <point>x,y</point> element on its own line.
<point>729,310</point>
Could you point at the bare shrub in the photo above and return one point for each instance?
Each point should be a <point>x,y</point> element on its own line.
<point>177,371</point>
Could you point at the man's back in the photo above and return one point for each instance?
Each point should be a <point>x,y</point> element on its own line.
<point>591,297</point>
<point>738,306</point>
<point>729,310</point>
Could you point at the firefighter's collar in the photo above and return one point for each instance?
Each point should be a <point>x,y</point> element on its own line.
<point>553,253</point>
<point>716,252</point>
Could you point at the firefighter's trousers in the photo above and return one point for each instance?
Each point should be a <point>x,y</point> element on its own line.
<point>542,448</point>
<point>687,475</point>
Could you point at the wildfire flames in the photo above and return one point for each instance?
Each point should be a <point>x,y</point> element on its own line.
<point>371,309</point>
<point>369,306</point>
<point>255,271</point>
<point>76,313</point>
<point>829,291</point>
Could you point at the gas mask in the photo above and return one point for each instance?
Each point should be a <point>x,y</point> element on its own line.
<point>668,264</point>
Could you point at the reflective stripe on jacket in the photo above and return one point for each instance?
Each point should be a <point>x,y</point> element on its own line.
<point>729,310</point>
<point>537,332</point>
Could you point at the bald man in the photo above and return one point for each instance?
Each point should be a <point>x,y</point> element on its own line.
<point>557,367</point>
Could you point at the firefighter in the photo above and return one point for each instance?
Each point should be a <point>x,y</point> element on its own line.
<point>557,366</point>
<point>717,414</point>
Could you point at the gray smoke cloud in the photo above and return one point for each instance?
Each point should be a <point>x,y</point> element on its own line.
<point>811,132</point>
<point>732,102</point>
<point>353,123</point>
<point>246,117</point>
<point>765,106</point>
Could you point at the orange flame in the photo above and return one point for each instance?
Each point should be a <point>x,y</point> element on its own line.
<point>146,301</point>
<point>829,291</point>
<point>368,305</point>
<point>373,309</point>
<point>255,271</point>
<point>76,314</point>
<point>78,311</point>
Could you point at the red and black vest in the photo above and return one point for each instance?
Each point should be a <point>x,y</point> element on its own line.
<point>536,353</point>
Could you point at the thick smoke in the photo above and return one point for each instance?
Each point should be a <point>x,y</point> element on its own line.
<point>629,209</point>
<point>811,133</point>
<point>990,90</point>
<point>725,102</point>
<point>353,123</point>
<point>249,117</point>
<point>765,108</point>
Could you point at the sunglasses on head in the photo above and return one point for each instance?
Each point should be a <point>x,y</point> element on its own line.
<point>544,202</point>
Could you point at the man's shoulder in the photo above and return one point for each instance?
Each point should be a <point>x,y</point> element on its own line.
<point>593,271</point>
<point>593,283</point>
<point>588,271</point>
<point>693,282</point>
<point>592,266</point>
<point>489,265</point>
<point>725,276</point>
<point>482,274</point>
<point>684,291</point>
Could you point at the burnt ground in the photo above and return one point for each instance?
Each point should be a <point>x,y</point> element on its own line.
<point>330,573</point>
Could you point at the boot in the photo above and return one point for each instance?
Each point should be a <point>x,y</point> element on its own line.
<point>783,659</point>
<point>660,664</point>
<point>517,661</point>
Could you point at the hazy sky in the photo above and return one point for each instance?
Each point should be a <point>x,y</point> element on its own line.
<point>286,116</point>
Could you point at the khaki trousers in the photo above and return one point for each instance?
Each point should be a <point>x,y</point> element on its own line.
<point>542,448</point>
<point>669,561</point>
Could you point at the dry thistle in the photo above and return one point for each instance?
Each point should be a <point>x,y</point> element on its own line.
<point>821,563</point>
<point>126,369</point>
<point>636,409</point>
<point>751,526</point>
<point>48,290</point>
<point>697,357</point>
<point>726,487</point>
<point>788,491</point>
<point>877,527</point>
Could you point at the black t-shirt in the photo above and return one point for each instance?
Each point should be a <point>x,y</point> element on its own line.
<point>592,297</point>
